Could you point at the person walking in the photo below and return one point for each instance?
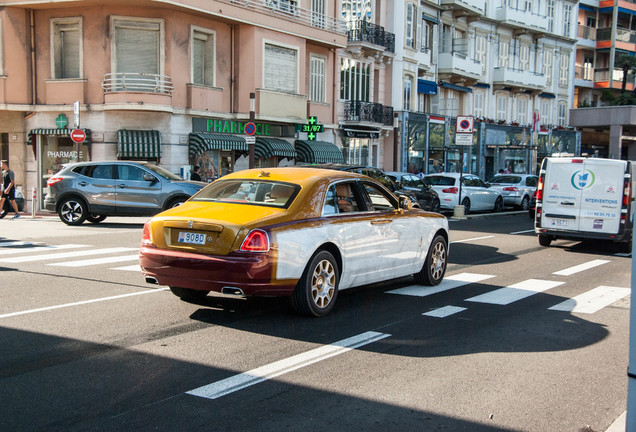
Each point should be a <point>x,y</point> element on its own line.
<point>195,174</point>
<point>8,188</point>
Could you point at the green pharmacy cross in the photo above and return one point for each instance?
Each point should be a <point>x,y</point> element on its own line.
<point>312,128</point>
<point>61,121</point>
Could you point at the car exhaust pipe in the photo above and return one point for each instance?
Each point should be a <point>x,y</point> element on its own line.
<point>152,280</point>
<point>232,291</point>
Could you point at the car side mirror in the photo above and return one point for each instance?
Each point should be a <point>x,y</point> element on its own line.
<point>405,203</point>
<point>150,178</point>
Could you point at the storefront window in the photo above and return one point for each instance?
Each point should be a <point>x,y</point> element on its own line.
<point>436,148</point>
<point>356,151</point>
<point>55,151</point>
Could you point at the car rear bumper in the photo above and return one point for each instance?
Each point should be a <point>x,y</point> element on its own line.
<point>622,235</point>
<point>251,273</point>
<point>49,204</point>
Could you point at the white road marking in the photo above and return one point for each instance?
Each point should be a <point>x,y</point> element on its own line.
<point>17,243</point>
<point>522,232</point>
<point>581,267</point>
<point>593,300</point>
<point>519,291</point>
<point>44,309</point>
<point>65,255</point>
<point>272,370</point>
<point>448,283</point>
<point>35,248</point>
<point>471,239</point>
<point>444,311</point>
<point>97,261</point>
<point>135,267</point>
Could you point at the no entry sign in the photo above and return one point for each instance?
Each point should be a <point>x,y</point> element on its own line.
<point>78,136</point>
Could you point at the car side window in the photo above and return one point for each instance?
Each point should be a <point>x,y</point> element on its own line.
<point>331,205</point>
<point>129,172</point>
<point>531,181</point>
<point>377,199</point>
<point>346,198</point>
<point>101,172</point>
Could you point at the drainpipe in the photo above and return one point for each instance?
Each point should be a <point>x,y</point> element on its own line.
<point>232,72</point>
<point>33,73</point>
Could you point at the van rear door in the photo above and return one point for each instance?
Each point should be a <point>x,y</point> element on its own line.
<point>561,199</point>
<point>601,184</point>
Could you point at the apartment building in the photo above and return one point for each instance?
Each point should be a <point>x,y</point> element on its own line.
<point>170,82</point>
<point>508,63</point>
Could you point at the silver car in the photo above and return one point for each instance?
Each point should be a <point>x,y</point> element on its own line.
<point>93,190</point>
<point>516,189</point>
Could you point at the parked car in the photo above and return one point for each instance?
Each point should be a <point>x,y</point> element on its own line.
<point>476,195</point>
<point>410,184</point>
<point>533,205</point>
<point>94,190</point>
<point>516,189</point>
<point>296,232</point>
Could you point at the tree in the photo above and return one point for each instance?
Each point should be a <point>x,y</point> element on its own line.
<point>627,63</point>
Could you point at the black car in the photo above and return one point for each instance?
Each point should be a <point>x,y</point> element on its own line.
<point>413,185</point>
<point>423,197</point>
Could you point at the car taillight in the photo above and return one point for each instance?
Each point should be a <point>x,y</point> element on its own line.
<point>452,190</point>
<point>54,180</point>
<point>540,189</point>
<point>626,192</point>
<point>146,237</point>
<point>577,160</point>
<point>256,241</point>
<point>511,189</point>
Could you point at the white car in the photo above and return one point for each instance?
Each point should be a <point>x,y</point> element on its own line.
<point>476,195</point>
<point>516,189</point>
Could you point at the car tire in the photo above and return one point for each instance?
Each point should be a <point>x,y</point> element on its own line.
<point>498,205</point>
<point>72,211</point>
<point>316,292</point>
<point>525,203</point>
<point>466,204</point>
<point>434,267</point>
<point>545,240</point>
<point>95,219</point>
<point>435,206</point>
<point>189,294</point>
<point>176,202</point>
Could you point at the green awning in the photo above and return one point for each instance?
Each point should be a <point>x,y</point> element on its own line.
<point>138,144</point>
<point>63,131</point>
<point>201,142</point>
<point>318,152</point>
<point>266,148</point>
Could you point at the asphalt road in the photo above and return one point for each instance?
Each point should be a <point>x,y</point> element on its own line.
<point>87,345</point>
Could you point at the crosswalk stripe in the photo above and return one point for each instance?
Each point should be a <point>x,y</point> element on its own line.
<point>36,248</point>
<point>129,268</point>
<point>16,243</point>
<point>444,312</point>
<point>593,300</point>
<point>60,255</point>
<point>448,283</point>
<point>581,267</point>
<point>97,261</point>
<point>513,293</point>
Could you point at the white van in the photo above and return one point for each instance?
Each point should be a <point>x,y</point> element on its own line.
<point>581,198</point>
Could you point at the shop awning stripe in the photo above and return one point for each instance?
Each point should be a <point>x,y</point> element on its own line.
<point>138,144</point>
<point>266,148</point>
<point>318,152</point>
<point>201,142</point>
<point>63,131</point>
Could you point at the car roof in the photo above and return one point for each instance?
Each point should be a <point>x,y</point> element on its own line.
<point>444,174</point>
<point>298,175</point>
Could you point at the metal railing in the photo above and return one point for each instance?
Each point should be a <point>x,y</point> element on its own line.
<point>584,73</point>
<point>137,82</point>
<point>585,32</point>
<point>603,75</point>
<point>368,112</point>
<point>364,31</point>
<point>622,35</point>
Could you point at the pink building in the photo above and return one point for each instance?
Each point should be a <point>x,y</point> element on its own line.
<point>167,81</point>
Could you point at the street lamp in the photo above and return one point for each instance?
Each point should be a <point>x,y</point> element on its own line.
<point>395,141</point>
<point>252,118</point>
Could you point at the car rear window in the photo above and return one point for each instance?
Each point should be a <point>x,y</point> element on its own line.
<point>440,181</point>
<point>505,179</point>
<point>412,181</point>
<point>249,192</point>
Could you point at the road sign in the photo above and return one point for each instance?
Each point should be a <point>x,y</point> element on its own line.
<point>250,128</point>
<point>250,139</point>
<point>78,136</point>
<point>464,139</point>
<point>464,124</point>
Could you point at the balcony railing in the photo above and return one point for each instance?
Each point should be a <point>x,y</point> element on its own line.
<point>137,82</point>
<point>622,35</point>
<point>585,32</point>
<point>518,78</point>
<point>364,31</point>
<point>603,75</point>
<point>368,112</point>
<point>584,73</point>
<point>522,18</point>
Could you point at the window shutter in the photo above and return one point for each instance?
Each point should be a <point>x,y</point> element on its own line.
<point>435,44</point>
<point>138,48</point>
<point>70,41</point>
<point>280,69</point>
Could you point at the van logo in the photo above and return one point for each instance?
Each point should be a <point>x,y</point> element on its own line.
<point>583,179</point>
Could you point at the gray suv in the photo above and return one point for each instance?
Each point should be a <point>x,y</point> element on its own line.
<point>93,190</point>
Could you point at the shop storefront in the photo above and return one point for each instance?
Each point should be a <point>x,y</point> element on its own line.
<point>360,147</point>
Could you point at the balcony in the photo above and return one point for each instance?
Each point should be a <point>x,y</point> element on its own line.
<point>139,88</point>
<point>612,78</point>
<point>622,35</point>
<point>585,32</point>
<point>522,19</point>
<point>584,76</point>
<point>520,79</point>
<point>371,37</point>
<point>368,112</point>
<point>465,7</point>
<point>457,65</point>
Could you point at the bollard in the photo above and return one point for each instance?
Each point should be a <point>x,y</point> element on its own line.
<point>459,212</point>
<point>34,202</point>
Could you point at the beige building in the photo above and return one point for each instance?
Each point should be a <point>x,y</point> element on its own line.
<point>170,82</point>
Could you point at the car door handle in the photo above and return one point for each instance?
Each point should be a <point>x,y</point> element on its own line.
<point>122,186</point>
<point>82,183</point>
<point>381,221</point>
<point>568,203</point>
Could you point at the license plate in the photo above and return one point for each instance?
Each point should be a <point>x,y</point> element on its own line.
<point>192,238</point>
<point>560,222</point>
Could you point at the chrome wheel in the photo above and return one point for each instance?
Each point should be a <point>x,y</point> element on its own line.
<point>72,212</point>
<point>317,289</point>
<point>434,266</point>
<point>323,284</point>
<point>438,260</point>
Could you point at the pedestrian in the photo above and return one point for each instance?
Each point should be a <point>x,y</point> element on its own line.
<point>8,188</point>
<point>195,174</point>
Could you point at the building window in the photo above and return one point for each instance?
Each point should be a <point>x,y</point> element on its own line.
<point>410,28</point>
<point>481,49</point>
<point>528,5</point>
<point>548,56</point>
<point>355,80</point>
<point>66,48</point>
<point>450,105</point>
<point>502,102</point>
<point>522,111</point>
<point>567,19</point>
<point>354,10</point>
<point>562,113</point>
<point>1,59</point>
<point>408,91</point>
<point>550,15</point>
<point>318,13</point>
<point>524,57</point>
<point>425,36</point>
<point>564,69</point>
<point>287,6</point>
<point>356,151</point>
<point>546,110</point>
<point>280,69</point>
<point>137,46</point>
<point>203,60</point>
<point>504,52</point>
<point>478,103</point>
<point>317,78</point>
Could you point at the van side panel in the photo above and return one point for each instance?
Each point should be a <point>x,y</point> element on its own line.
<point>601,183</point>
